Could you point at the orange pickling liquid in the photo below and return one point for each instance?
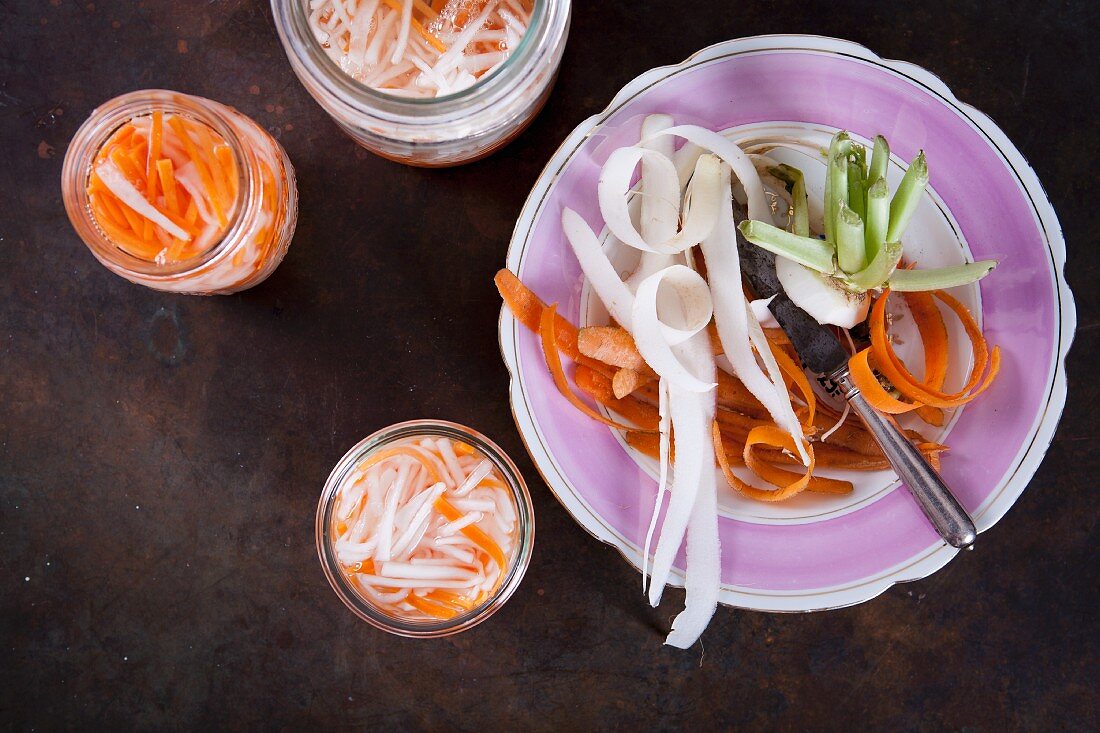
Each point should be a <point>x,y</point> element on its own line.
<point>425,529</point>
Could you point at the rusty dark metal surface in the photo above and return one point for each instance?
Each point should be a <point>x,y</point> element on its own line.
<point>161,456</point>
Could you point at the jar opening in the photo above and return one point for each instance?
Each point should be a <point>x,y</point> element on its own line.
<point>116,141</point>
<point>327,519</point>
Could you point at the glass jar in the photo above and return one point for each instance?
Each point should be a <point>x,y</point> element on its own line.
<point>441,131</point>
<point>256,235</point>
<point>361,605</point>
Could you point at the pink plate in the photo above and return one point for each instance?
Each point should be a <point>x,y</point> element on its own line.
<point>816,554</point>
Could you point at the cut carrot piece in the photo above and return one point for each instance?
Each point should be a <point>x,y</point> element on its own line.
<point>432,609</point>
<point>168,185</point>
<point>553,363</point>
<point>401,450</point>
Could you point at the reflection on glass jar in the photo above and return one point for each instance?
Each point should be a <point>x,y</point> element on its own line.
<point>427,103</point>
<point>180,193</point>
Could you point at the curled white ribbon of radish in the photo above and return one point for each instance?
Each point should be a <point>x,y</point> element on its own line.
<point>702,200</point>
<point>670,307</point>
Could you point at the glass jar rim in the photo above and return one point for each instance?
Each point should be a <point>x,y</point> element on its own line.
<point>95,131</point>
<point>291,17</point>
<point>361,606</point>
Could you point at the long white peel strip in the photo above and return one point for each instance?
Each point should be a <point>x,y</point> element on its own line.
<point>704,552</point>
<point>732,315</point>
<point>736,159</point>
<point>762,314</point>
<point>652,336</point>
<point>476,477</point>
<point>614,185</point>
<point>601,275</point>
<point>658,217</point>
<point>685,159</point>
<point>664,446</point>
<point>116,183</point>
<point>694,458</point>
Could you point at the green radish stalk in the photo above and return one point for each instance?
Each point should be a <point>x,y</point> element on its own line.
<point>907,197</point>
<point>940,278</point>
<point>850,248</point>
<point>808,251</point>
<point>877,217</point>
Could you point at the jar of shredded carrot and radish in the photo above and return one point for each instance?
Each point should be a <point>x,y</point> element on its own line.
<point>425,528</point>
<point>426,82</point>
<point>180,193</point>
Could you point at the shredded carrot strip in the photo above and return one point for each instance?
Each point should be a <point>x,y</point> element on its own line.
<point>432,609</point>
<point>553,363</point>
<point>446,598</point>
<point>475,533</point>
<point>168,184</point>
<point>437,44</point>
<point>400,450</point>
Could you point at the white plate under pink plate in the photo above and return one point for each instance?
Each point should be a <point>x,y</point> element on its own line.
<point>821,551</point>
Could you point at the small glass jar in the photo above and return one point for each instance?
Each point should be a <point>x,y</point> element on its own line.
<point>362,606</point>
<point>441,131</point>
<point>257,234</point>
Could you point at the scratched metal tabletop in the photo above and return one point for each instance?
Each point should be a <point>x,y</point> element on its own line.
<point>161,456</point>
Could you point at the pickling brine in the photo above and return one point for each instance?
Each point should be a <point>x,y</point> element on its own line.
<point>180,193</point>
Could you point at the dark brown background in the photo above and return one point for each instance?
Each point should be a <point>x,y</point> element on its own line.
<point>161,456</point>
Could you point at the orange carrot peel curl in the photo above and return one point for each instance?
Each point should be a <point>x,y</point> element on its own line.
<point>553,363</point>
<point>921,393</point>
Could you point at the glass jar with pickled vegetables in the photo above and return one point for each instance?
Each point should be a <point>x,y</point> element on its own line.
<point>426,82</point>
<point>425,528</point>
<point>180,193</point>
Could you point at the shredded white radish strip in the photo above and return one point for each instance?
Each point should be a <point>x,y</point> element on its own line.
<point>404,27</point>
<point>412,571</point>
<point>834,428</point>
<point>459,524</point>
<point>762,314</point>
<point>116,182</point>
<point>413,582</point>
<point>475,477</point>
<point>475,505</point>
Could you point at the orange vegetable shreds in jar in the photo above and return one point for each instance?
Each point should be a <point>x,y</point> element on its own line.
<point>180,193</point>
<point>424,528</point>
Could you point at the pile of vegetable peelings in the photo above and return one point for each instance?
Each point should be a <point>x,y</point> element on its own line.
<point>691,365</point>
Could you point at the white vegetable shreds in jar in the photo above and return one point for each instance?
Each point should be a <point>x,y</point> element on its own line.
<point>426,82</point>
<point>180,193</point>
<point>425,528</point>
